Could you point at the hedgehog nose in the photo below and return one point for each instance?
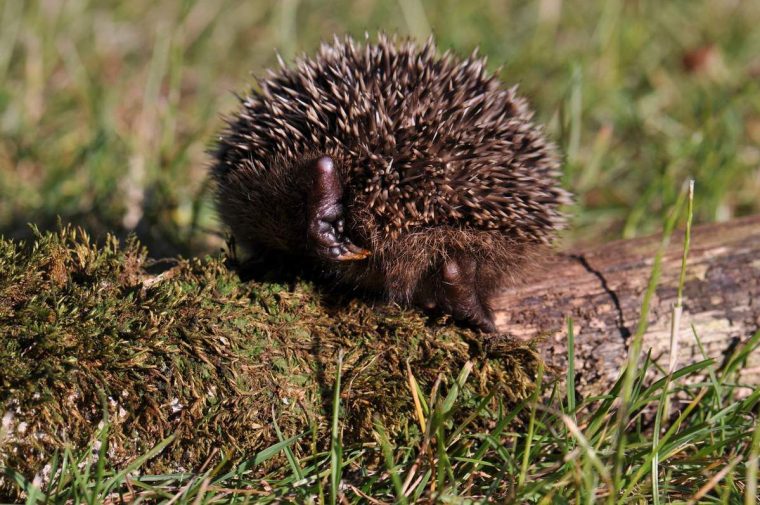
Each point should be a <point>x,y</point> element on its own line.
<point>425,297</point>
<point>428,304</point>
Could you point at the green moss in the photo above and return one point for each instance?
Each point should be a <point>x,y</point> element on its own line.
<point>196,352</point>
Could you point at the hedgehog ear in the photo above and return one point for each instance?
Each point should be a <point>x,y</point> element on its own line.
<point>325,219</point>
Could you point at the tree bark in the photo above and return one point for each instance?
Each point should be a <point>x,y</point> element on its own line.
<point>602,289</point>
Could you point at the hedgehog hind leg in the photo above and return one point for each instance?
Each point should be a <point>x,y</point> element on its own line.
<point>326,215</point>
<point>461,294</point>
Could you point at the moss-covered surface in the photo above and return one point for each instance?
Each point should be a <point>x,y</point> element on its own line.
<point>196,352</point>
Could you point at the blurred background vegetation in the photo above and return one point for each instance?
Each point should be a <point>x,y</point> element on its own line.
<point>107,107</point>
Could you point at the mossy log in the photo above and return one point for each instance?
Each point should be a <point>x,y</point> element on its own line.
<point>602,289</point>
<point>92,333</point>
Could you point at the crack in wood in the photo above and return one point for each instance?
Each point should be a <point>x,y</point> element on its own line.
<point>620,322</point>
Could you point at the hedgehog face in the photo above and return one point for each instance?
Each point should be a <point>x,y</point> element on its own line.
<point>412,173</point>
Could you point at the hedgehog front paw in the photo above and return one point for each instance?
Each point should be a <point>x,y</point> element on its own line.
<point>326,224</point>
<point>461,297</point>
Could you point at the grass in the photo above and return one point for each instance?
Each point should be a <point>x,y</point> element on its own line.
<point>707,455</point>
<point>106,109</point>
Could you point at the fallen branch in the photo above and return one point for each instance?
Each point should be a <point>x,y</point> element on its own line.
<point>601,289</point>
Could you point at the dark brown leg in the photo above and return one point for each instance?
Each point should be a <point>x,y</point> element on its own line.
<point>461,296</point>
<point>325,219</point>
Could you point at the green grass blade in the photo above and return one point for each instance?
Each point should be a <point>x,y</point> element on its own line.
<point>636,343</point>
<point>531,427</point>
<point>336,449</point>
<point>292,461</point>
<point>750,493</point>
<point>117,479</point>
<point>390,465</point>
<point>570,386</point>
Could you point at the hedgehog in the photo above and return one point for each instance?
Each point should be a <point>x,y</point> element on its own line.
<point>392,169</point>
